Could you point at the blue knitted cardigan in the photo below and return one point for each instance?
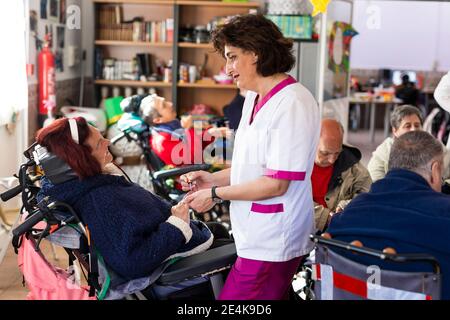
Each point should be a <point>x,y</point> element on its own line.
<point>127,223</point>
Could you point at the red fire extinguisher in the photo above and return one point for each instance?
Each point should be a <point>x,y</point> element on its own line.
<point>47,81</point>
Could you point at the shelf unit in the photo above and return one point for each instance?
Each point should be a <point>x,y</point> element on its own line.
<point>184,12</point>
<point>133,43</point>
<point>131,83</point>
<point>207,86</point>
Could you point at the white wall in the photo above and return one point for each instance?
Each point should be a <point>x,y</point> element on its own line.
<point>13,90</point>
<point>72,37</point>
<point>411,35</point>
<point>88,36</point>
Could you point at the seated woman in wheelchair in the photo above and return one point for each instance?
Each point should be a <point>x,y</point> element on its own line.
<point>134,230</point>
<point>161,115</point>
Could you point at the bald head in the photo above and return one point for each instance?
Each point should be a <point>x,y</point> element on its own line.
<point>330,144</point>
<point>331,129</point>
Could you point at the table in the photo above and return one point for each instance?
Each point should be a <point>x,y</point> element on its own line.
<point>373,102</point>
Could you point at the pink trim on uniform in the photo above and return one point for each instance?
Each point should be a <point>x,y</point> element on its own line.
<point>259,280</point>
<point>258,106</point>
<point>285,175</point>
<point>267,208</point>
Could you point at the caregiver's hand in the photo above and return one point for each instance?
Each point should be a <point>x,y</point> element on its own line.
<point>200,201</point>
<point>196,180</point>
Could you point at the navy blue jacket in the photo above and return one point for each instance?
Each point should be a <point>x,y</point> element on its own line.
<point>126,222</point>
<point>403,212</point>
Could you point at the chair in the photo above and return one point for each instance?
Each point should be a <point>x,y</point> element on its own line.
<point>133,128</point>
<point>198,276</point>
<point>337,277</point>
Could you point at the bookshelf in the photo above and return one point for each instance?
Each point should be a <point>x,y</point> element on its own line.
<point>184,13</point>
<point>132,43</point>
<point>132,83</point>
<point>206,86</point>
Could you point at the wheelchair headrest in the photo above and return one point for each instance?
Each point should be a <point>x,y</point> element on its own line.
<point>55,169</point>
<point>132,104</point>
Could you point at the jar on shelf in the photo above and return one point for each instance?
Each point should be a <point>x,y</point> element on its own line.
<point>167,75</point>
<point>187,34</point>
<point>201,34</point>
<point>116,91</point>
<point>192,73</point>
<point>184,73</point>
<point>128,92</point>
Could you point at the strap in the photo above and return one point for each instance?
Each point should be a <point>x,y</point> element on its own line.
<point>93,267</point>
<point>173,133</point>
<point>74,130</point>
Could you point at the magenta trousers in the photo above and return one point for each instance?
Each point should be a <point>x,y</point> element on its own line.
<point>259,280</point>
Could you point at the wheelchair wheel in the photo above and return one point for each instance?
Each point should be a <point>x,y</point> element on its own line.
<point>303,285</point>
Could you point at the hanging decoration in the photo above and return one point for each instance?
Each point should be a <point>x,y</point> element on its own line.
<point>320,6</point>
<point>339,46</point>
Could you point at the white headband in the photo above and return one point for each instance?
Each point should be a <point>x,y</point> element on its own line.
<point>74,130</point>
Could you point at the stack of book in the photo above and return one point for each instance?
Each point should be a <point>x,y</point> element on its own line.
<point>112,27</point>
<point>143,67</point>
<point>153,31</point>
<point>295,27</point>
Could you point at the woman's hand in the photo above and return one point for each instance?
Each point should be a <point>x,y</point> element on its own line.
<point>181,210</point>
<point>186,121</point>
<point>196,180</point>
<point>200,201</point>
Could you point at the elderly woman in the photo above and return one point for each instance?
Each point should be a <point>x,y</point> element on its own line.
<point>269,181</point>
<point>134,230</point>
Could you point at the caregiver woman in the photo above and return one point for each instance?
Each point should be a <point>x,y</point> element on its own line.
<point>269,179</point>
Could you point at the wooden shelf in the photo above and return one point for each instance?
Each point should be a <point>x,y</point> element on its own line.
<point>133,43</point>
<point>163,2</point>
<point>130,83</point>
<point>229,4</point>
<point>195,12</point>
<point>207,86</point>
<point>195,45</point>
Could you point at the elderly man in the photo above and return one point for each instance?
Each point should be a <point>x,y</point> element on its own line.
<point>405,210</point>
<point>338,176</point>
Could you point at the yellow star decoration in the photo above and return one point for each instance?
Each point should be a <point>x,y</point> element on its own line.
<point>319,6</point>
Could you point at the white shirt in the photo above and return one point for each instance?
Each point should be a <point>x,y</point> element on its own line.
<point>442,92</point>
<point>281,143</point>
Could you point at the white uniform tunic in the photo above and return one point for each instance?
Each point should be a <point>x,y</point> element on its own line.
<point>281,142</point>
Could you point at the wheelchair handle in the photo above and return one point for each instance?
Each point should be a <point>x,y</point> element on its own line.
<point>11,193</point>
<point>399,258</point>
<point>28,223</point>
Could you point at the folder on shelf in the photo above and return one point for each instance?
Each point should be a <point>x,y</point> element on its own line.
<point>144,64</point>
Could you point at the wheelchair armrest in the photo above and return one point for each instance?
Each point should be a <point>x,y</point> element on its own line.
<point>199,264</point>
<point>163,174</point>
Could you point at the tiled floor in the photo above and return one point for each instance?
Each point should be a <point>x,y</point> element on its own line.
<point>11,287</point>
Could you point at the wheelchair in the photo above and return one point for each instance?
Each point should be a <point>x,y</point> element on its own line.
<point>200,276</point>
<point>336,274</point>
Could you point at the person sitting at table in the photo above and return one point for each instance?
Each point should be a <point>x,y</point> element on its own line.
<point>404,118</point>
<point>407,91</point>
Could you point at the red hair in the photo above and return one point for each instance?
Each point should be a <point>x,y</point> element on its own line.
<point>57,138</point>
